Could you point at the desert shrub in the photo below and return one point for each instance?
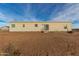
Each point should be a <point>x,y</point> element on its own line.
<point>12,50</point>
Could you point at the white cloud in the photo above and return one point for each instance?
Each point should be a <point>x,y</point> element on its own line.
<point>70,13</point>
<point>5,18</point>
<point>28,15</point>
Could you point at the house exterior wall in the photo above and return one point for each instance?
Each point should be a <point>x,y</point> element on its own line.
<point>60,27</point>
<point>29,26</point>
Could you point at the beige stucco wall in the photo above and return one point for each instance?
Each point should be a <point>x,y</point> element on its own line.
<point>31,26</point>
<point>60,27</point>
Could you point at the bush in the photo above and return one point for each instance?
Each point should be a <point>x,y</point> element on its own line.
<point>12,50</point>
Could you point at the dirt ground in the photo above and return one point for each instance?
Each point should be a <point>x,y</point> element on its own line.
<point>41,44</point>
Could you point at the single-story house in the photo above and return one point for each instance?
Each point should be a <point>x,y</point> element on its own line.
<point>40,26</point>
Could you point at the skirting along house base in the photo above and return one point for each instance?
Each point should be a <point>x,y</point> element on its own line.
<point>40,26</point>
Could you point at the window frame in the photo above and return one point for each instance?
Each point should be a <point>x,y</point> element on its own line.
<point>13,25</point>
<point>23,25</point>
<point>36,25</point>
<point>65,27</point>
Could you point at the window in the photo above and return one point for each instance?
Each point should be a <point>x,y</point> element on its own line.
<point>36,25</point>
<point>23,25</point>
<point>13,25</point>
<point>46,27</point>
<point>65,27</point>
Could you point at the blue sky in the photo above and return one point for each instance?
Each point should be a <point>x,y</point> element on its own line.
<point>39,12</point>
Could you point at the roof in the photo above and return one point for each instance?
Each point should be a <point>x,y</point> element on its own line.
<point>42,22</point>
